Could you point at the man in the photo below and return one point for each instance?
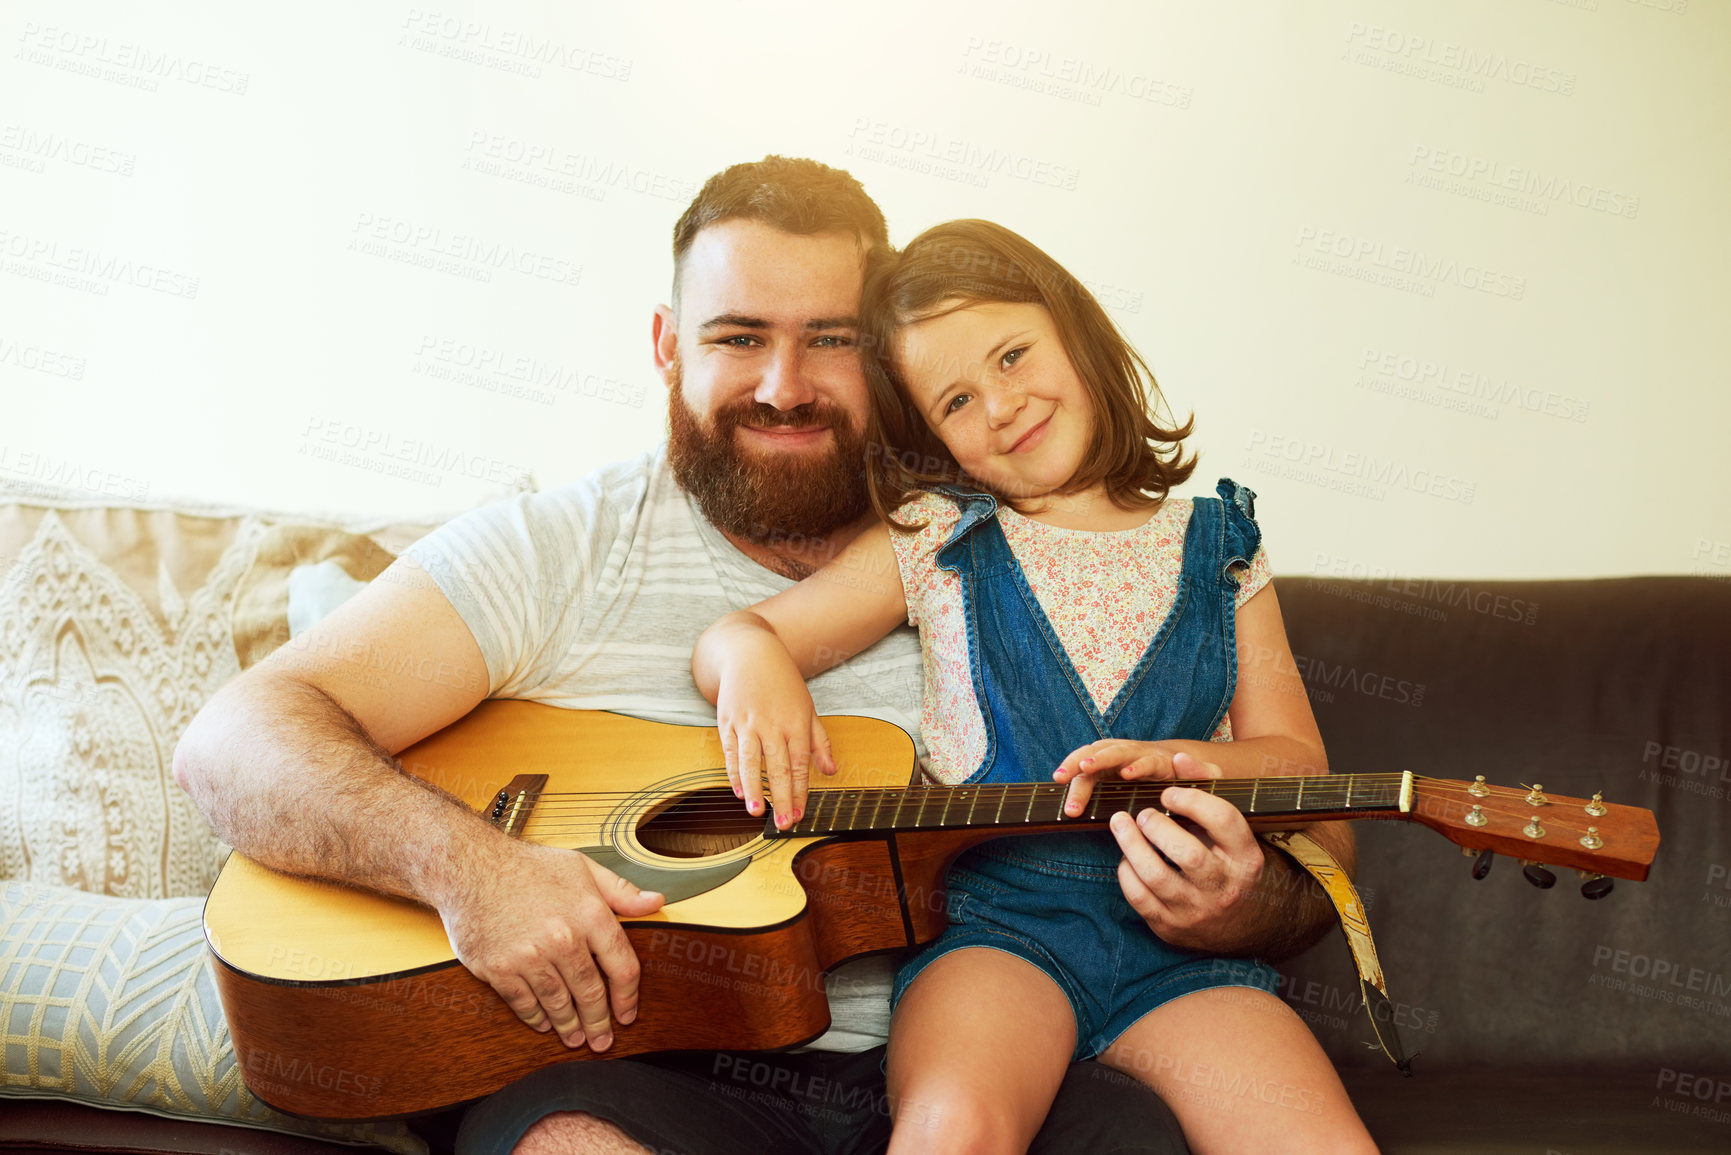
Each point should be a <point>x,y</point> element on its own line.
<point>591,597</point>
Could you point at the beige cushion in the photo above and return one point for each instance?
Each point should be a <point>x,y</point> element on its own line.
<point>261,606</point>
<point>113,1002</point>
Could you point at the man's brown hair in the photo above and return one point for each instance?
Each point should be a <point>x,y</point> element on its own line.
<point>972,262</point>
<point>793,194</point>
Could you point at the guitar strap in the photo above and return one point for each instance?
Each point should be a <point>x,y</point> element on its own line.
<point>1373,988</point>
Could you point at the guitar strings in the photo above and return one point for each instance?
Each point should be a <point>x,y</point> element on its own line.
<point>697,814</point>
<point>1235,783</point>
<point>725,813</point>
<point>1008,792</point>
<point>1220,786</point>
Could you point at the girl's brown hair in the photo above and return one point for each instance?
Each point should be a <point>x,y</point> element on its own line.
<point>972,262</point>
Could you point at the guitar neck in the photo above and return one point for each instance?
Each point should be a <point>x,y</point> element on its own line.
<point>1266,801</point>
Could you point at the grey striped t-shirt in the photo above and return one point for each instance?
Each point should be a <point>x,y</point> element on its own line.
<point>591,596</point>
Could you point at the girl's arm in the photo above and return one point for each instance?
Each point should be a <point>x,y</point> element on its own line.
<point>753,664</point>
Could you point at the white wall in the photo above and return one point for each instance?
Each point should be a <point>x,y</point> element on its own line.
<point>211,218</point>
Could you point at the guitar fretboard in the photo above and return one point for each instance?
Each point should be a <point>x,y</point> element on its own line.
<point>1025,804</point>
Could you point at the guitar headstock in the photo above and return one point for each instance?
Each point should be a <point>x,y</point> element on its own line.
<point>1526,823</point>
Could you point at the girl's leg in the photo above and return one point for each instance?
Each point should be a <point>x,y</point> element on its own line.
<point>1242,1073</point>
<point>978,1047</point>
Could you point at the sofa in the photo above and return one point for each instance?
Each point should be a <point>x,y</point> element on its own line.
<point>1543,1021</point>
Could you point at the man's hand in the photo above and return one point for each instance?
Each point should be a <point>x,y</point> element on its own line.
<point>540,926</point>
<point>1192,897</point>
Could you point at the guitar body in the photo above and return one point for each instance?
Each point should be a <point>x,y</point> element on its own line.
<point>345,1004</point>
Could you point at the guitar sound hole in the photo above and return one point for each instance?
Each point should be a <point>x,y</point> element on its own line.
<point>699,824</point>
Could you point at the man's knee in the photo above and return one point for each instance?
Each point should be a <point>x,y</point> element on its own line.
<point>1100,1109</point>
<point>576,1133</point>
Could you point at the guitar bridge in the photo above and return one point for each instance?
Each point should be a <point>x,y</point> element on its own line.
<point>513,805</point>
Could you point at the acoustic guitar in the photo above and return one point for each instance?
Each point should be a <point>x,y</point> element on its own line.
<point>344,1004</point>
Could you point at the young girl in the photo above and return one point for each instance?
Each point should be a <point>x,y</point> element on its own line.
<point>1075,621</point>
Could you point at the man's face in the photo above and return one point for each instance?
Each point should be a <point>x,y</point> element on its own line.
<point>768,400</point>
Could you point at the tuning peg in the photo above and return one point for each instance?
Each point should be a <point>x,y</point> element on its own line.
<point>1482,864</point>
<point>1538,875</point>
<point>1596,886</point>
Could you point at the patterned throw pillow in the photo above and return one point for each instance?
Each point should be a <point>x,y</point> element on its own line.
<point>98,680</point>
<point>116,626</point>
<point>113,1001</point>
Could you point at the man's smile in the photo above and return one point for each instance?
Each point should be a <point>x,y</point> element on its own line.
<point>784,436</point>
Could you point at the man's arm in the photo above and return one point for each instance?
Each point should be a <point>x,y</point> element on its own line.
<point>293,765</point>
<point>1230,893</point>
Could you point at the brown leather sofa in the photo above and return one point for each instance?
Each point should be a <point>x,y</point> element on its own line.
<point>1544,1022</point>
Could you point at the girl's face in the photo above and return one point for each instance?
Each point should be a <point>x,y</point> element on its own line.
<point>995,384</point>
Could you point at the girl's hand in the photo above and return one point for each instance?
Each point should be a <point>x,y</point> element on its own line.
<point>1113,758</point>
<point>769,728</point>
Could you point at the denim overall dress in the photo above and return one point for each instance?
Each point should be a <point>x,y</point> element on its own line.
<point>1054,899</point>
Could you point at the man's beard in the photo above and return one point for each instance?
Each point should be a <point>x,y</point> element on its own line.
<point>766,496</point>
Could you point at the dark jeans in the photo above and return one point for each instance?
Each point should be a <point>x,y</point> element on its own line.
<point>815,1103</point>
